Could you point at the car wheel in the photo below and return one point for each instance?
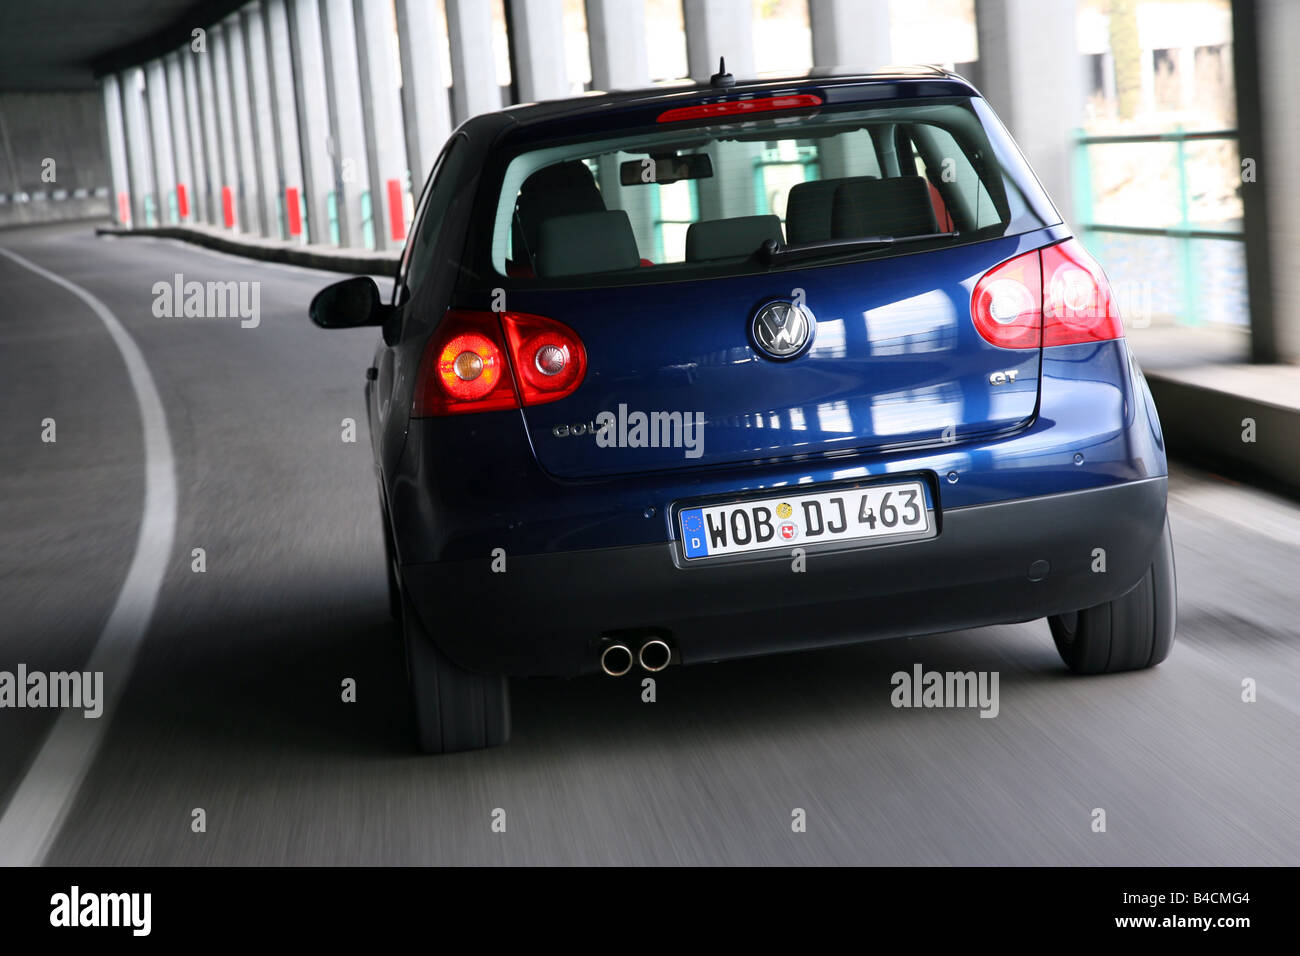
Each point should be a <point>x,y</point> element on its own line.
<point>1134,631</point>
<point>455,709</point>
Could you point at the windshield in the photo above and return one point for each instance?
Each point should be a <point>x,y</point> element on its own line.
<point>676,202</point>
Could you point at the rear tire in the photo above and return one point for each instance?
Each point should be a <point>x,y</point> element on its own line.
<point>1132,632</point>
<point>455,709</point>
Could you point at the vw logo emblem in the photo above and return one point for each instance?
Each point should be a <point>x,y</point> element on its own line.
<point>782,330</point>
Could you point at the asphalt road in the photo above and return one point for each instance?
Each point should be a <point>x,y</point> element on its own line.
<point>233,703</point>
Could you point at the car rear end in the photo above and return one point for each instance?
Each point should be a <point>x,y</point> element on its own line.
<point>768,368</point>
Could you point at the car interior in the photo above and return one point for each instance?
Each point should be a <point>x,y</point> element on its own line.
<point>570,220</point>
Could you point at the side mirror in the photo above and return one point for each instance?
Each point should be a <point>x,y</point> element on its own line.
<point>350,304</point>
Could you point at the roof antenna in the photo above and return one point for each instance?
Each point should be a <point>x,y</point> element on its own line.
<point>722,78</point>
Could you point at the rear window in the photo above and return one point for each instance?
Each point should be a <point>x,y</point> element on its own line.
<point>689,200</point>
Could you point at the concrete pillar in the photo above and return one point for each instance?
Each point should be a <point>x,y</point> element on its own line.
<point>180,134</point>
<point>719,28</point>
<point>160,135</point>
<point>263,122</point>
<point>117,163</point>
<point>313,115</point>
<point>616,36</point>
<point>250,207</point>
<point>1147,78</point>
<point>144,201</point>
<point>284,126</point>
<point>201,198</point>
<point>723,28</point>
<point>1271,138</point>
<point>473,64</point>
<point>217,53</point>
<point>217,172</point>
<point>1109,87</point>
<point>385,142</point>
<point>425,106</point>
<point>1032,75</point>
<point>347,121</point>
<point>850,33</point>
<point>537,39</point>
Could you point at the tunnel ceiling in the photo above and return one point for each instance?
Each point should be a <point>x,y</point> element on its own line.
<point>66,44</point>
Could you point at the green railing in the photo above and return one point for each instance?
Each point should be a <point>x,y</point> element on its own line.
<point>1184,231</point>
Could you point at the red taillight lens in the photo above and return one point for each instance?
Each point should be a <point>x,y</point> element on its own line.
<point>464,367</point>
<point>1078,305</point>
<point>468,363</point>
<point>469,366</point>
<point>548,358</point>
<point>1007,303</point>
<point>757,104</point>
<point>1059,293</point>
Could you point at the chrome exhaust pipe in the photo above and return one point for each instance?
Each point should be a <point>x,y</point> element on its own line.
<point>616,660</point>
<point>655,655</point>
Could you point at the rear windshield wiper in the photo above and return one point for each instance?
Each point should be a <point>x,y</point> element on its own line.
<point>773,251</point>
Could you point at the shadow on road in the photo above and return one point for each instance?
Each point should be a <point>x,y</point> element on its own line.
<point>241,681</point>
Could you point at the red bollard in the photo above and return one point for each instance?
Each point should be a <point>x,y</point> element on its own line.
<point>292,211</point>
<point>396,213</point>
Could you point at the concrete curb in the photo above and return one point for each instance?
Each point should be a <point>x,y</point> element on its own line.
<point>1203,423</point>
<point>327,258</point>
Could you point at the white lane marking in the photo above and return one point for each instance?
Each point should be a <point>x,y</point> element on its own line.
<point>39,805</point>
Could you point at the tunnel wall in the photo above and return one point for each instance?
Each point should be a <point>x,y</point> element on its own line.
<point>67,128</point>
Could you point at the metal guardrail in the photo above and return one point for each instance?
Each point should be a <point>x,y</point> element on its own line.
<point>1184,230</point>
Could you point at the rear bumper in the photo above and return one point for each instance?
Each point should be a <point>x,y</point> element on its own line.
<point>989,564</point>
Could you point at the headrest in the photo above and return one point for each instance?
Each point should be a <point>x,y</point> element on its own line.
<point>560,190</point>
<point>724,238</point>
<point>883,207</point>
<point>586,242</point>
<point>808,209</point>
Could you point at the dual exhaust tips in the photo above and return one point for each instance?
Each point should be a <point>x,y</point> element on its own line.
<point>617,658</point>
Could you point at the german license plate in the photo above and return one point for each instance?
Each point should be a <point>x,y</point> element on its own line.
<point>808,518</point>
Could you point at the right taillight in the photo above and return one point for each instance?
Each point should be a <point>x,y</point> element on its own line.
<point>484,361</point>
<point>1078,305</point>
<point>1007,303</point>
<point>1056,296</point>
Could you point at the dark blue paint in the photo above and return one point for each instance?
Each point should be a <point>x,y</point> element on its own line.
<point>895,361</point>
<point>474,485</point>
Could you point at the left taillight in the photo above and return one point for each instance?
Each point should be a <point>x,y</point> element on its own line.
<point>464,368</point>
<point>482,362</point>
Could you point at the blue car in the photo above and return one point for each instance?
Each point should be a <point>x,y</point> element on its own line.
<point>737,368</point>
